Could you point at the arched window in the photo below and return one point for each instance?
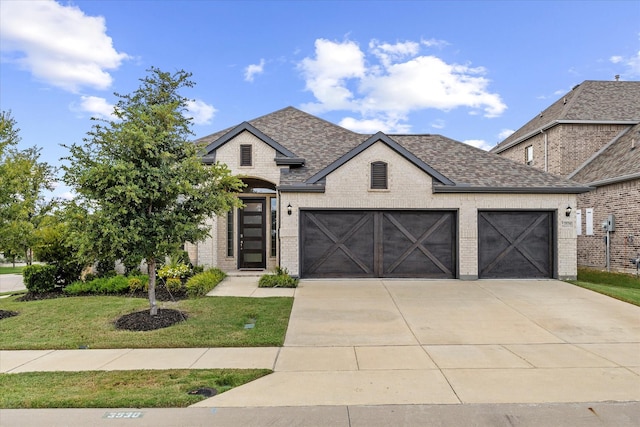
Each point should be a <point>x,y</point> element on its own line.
<point>379,179</point>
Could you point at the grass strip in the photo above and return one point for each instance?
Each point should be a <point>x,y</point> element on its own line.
<point>88,322</point>
<point>616,285</point>
<point>117,389</point>
<point>11,270</point>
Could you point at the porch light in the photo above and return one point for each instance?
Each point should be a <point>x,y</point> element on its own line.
<point>289,209</point>
<point>567,211</point>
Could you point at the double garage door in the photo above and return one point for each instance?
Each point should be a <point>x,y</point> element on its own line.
<point>423,244</point>
<point>378,243</point>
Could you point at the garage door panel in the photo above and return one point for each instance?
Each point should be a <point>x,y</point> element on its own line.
<point>338,240</point>
<point>378,244</point>
<point>515,244</point>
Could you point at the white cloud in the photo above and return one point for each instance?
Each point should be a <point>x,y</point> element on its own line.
<point>98,107</point>
<point>58,44</point>
<point>438,124</point>
<point>393,81</point>
<point>326,74</point>
<point>201,112</point>
<point>252,70</point>
<point>505,133</point>
<point>479,143</point>
<point>616,59</point>
<point>386,125</point>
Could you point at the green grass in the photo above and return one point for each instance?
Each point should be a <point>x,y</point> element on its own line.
<point>69,323</point>
<point>117,389</point>
<point>11,270</point>
<point>616,285</point>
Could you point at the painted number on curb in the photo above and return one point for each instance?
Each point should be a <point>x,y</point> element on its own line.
<point>122,415</point>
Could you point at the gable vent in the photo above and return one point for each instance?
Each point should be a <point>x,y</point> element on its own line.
<point>245,155</point>
<point>379,176</point>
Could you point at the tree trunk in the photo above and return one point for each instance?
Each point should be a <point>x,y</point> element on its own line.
<point>151,265</point>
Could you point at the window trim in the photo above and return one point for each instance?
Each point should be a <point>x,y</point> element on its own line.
<point>528,155</point>
<point>230,233</point>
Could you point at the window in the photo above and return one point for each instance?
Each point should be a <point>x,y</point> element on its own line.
<point>245,155</point>
<point>528,155</point>
<point>379,176</point>
<point>230,233</point>
<point>274,226</point>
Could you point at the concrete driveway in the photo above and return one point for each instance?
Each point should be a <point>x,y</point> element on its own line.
<point>375,342</point>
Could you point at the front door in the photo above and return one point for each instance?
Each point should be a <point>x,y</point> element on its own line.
<point>251,233</point>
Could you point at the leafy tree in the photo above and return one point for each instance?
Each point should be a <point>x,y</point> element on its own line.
<point>23,180</point>
<point>141,181</point>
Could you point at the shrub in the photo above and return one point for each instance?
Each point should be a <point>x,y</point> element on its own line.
<point>39,278</point>
<point>173,284</point>
<point>200,284</point>
<point>179,271</point>
<point>138,283</point>
<point>103,285</point>
<point>279,279</point>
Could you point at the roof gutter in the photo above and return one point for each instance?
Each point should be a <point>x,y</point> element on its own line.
<point>615,180</point>
<point>511,190</point>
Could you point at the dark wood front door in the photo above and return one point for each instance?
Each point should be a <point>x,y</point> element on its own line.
<point>378,244</point>
<point>251,234</point>
<point>516,244</point>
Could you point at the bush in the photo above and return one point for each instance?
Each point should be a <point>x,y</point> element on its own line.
<point>178,271</point>
<point>138,283</point>
<point>200,284</point>
<point>39,278</point>
<point>104,285</point>
<point>173,284</point>
<point>279,279</point>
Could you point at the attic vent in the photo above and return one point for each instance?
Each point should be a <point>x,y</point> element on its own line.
<point>379,176</point>
<point>245,155</point>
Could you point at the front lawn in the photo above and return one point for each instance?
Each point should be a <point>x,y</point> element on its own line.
<point>11,270</point>
<point>616,285</point>
<point>118,389</point>
<point>88,322</point>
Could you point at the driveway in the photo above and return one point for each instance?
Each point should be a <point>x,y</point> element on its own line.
<point>375,342</point>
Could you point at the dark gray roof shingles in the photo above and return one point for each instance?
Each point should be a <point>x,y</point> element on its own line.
<point>620,159</point>
<point>591,100</point>
<point>320,143</point>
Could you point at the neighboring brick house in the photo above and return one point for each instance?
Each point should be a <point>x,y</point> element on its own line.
<point>592,135</point>
<point>323,201</point>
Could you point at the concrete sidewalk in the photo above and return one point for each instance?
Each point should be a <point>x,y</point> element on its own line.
<point>610,414</point>
<point>11,283</point>
<point>413,342</point>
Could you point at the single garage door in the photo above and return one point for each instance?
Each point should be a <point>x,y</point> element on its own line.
<point>515,244</point>
<point>351,243</point>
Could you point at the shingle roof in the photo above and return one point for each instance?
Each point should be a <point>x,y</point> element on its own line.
<point>617,162</point>
<point>595,101</point>
<point>321,143</point>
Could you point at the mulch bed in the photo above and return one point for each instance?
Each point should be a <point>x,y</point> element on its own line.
<point>143,321</point>
<point>6,314</point>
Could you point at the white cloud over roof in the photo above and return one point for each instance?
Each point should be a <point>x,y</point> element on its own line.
<point>58,44</point>
<point>252,70</point>
<point>201,112</point>
<point>393,81</point>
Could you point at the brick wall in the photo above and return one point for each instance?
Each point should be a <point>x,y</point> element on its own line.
<point>409,187</point>
<point>568,146</point>
<point>622,200</point>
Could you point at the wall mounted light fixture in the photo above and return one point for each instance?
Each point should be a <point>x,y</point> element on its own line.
<point>289,209</point>
<point>567,211</point>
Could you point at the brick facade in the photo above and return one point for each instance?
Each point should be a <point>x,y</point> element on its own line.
<point>568,146</point>
<point>622,200</point>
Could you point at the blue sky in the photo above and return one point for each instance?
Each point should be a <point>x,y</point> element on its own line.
<point>473,71</point>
